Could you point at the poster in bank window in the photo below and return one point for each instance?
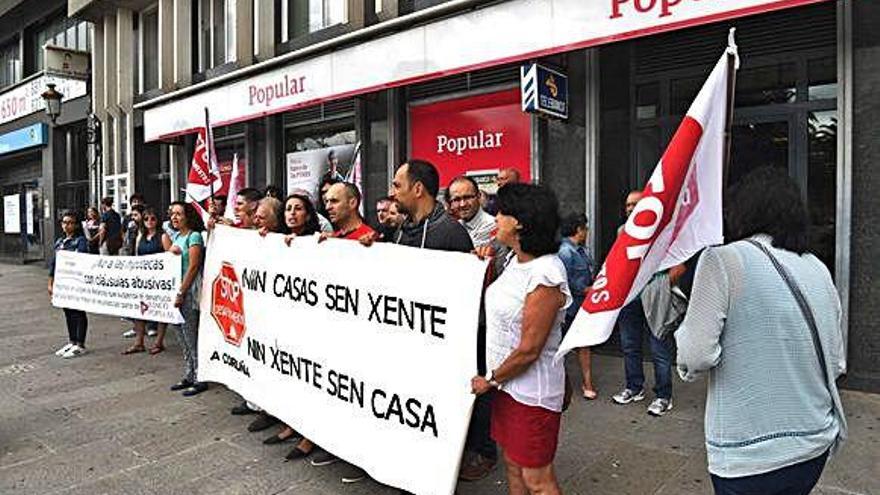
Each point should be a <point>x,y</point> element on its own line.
<point>306,168</point>
<point>365,359</point>
<point>137,287</point>
<point>475,135</point>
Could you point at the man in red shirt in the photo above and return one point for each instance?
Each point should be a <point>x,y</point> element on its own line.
<point>342,201</point>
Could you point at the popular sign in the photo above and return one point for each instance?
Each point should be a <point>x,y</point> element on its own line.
<point>138,287</point>
<point>497,34</point>
<point>472,135</point>
<point>335,340</point>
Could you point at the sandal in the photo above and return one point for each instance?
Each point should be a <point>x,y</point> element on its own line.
<point>156,349</point>
<point>589,394</point>
<point>135,349</point>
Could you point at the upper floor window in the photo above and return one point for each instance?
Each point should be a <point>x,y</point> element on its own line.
<point>60,31</point>
<point>10,64</point>
<point>215,32</point>
<point>301,17</point>
<point>148,50</point>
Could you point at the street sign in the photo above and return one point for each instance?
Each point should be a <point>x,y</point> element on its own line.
<point>66,63</point>
<point>544,91</point>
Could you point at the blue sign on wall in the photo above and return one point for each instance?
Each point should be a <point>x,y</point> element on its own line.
<point>544,91</point>
<point>26,137</point>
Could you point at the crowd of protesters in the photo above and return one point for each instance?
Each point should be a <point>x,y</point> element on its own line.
<point>758,307</point>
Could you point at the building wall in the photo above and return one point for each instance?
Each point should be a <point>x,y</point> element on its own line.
<point>864,338</point>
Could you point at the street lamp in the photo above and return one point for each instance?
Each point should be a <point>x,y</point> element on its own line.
<point>53,102</point>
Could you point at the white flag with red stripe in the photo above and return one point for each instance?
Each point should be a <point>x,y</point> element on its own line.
<point>679,213</point>
<point>236,181</point>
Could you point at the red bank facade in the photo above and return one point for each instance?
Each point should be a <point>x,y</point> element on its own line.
<point>440,80</point>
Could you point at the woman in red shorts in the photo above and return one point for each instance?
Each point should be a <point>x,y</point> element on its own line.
<point>525,308</point>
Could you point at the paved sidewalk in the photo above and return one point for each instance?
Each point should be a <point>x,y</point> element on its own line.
<point>106,423</point>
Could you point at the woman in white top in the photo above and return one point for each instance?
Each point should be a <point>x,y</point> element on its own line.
<point>525,308</point>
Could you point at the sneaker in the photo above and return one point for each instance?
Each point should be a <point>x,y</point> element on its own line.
<point>352,473</point>
<point>323,458</point>
<point>129,334</point>
<point>152,333</point>
<point>74,351</point>
<point>628,396</point>
<point>60,352</point>
<point>242,409</point>
<point>659,407</point>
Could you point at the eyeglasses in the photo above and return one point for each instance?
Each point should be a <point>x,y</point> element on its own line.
<point>462,199</point>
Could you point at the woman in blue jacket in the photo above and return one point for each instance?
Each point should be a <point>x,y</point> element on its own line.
<point>77,323</point>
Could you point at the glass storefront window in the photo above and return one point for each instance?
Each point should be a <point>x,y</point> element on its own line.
<point>682,93</point>
<point>768,85</point>
<point>647,101</point>
<point>822,77</point>
<point>822,183</point>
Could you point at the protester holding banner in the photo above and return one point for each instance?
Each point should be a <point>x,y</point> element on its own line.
<point>189,245</point>
<point>770,312</point>
<point>269,216</point>
<point>525,308</point>
<point>148,241</point>
<point>300,217</point>
<point>77,322</point>
<point>428,226</point>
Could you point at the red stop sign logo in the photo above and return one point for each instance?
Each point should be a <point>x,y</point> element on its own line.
<point>227,304</point>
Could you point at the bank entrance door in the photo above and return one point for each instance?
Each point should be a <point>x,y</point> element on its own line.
<point>32,221</point>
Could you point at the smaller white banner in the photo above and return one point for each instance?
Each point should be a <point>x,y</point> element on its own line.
<point>138,287</point>
<point>11,214</point>
<point>29,212</point>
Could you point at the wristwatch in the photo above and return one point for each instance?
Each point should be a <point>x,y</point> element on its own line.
<point>492,381</point>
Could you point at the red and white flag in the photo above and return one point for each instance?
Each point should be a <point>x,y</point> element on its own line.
<point>679,213</point>
<point>204,174</point>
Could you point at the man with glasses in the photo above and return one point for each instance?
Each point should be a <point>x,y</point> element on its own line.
<point>464,201</point>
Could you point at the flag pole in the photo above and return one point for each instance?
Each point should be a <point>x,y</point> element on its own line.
<point>732,66</point>
<point>209,145</point>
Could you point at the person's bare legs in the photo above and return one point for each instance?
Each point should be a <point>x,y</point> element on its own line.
<point>541,481</point>
<point>159,344</point>
<point>515,483</point>
<point>585,357</point>
<point>140,328</point>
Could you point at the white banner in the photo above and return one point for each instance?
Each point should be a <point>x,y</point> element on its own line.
<point>370,360</point>
<point>26,98</point>
<point>11,214</point>
<point>495,35</point>
<point>138,287</point>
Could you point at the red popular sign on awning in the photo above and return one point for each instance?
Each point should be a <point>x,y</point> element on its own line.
<point>477,134</point>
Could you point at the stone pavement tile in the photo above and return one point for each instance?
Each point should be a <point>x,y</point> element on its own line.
<point>17,450</point>
<point>671,433</point>
<point>184,431</point>
<point>692,479</point>
<point>101,390</point>
<point>189,468</point>
<point>264,477</point>
<point>118,483</point>
<point>625,469</point>
<point>66,468</point>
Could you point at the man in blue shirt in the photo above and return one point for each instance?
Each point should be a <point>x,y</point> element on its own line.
<point>579,267</point>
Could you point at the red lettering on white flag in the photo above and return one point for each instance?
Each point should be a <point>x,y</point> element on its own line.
<point>679,214</point>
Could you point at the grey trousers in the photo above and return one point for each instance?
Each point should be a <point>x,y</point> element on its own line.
<point>188,337</point>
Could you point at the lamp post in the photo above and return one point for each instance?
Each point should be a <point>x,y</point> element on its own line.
<point>52,98</point>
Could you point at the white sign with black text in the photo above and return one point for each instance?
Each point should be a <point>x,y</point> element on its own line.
<point>362,357</point>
